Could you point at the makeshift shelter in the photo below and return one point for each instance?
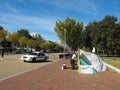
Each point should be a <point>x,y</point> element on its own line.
<point>91,63</point>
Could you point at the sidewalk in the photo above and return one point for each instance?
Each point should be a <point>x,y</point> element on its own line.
<point>51,77</point>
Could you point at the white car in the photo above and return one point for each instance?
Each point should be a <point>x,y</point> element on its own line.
<point>35,56</point>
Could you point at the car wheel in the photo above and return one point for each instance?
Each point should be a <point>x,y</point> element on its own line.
<point>33,60</point>
<point>24,60</point>
<point>45,59</point>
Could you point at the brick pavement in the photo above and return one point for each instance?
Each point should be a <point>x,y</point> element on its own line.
<point>51,77</point>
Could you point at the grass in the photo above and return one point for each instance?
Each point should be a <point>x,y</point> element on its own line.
<point>114,61</point>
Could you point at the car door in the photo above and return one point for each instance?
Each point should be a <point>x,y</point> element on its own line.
<point>38,57</point>
<point>41,56</point>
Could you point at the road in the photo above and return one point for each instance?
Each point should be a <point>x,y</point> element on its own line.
<point>12,65</point>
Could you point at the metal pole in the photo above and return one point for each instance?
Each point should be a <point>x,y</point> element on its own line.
<point>64,42</point>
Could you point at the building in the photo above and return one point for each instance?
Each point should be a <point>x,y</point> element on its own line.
<point>35,35</point>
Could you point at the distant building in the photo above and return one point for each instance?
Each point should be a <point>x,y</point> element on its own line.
<point>35,35</point>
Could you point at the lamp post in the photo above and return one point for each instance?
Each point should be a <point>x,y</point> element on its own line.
<point>0,43</point>
<point>64,42</point>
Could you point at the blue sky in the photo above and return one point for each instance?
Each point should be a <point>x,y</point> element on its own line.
<point>40,16</point>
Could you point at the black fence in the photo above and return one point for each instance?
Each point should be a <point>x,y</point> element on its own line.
<point>65,56</point>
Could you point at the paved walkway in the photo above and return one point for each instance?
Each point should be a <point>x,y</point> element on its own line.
<point>51,77</point>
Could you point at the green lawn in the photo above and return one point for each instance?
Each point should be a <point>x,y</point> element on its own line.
<point>114,61</point>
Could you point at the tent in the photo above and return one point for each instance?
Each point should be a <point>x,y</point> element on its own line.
<point>91,63</point>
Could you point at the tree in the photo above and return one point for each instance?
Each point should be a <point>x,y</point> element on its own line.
<point>3,34</point>
<point>23,41</point>
<point>6,44</point>
<point>58,48</point>
<point>24,33</point>
<point>35,44</point>
<point>90,35</point>
<point>51,47</point>
<point>29,43</point>
<point>69,32</point>
<point>3,37</point>
<point>13,38</point>
<point>103,34</point>
<point>107,29</point>
<point>1,28</point>
<point>44,45</point>
<point>116,37</point>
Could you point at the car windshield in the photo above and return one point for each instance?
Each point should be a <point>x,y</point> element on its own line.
<point>33,53</point>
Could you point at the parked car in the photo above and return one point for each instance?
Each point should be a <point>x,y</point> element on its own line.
<point>16,52</point>
<point>35,56</point>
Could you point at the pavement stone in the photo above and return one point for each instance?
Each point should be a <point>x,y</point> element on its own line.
<point>51,77</point>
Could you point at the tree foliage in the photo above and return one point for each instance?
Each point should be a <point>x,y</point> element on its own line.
<point>6,44</point>
<point>104,34</point>
<point>13,37</point>
<point>23,41</point>
<point>24,33</point>
<point>1,28</point>
<point>51,47</point>
<point>69,32</point>
<point>3,34</point>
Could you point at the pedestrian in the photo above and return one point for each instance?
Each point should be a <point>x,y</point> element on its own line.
<point>73,61</point>
<point>2,54</point>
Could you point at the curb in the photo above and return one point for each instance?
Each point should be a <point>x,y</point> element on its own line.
<point>112,67</point>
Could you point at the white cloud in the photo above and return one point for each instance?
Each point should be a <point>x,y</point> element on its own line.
<point>80,6</point>
<point>28,22</point>
<point>10,8</point>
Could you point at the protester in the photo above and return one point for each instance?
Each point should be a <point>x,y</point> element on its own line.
<point>73,61</point>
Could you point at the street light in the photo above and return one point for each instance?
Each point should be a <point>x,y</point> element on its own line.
<point>64,42</point>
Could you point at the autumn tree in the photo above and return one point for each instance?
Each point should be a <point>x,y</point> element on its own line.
<point>13,38</point>
<point>3,37</point>
<point>3,34</point>
<point>23,41</point>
